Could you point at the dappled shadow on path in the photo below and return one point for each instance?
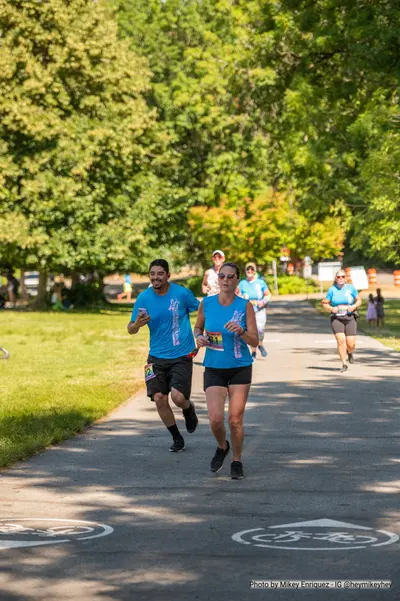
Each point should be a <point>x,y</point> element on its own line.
<point>310,447</point>
<point>314,448</point>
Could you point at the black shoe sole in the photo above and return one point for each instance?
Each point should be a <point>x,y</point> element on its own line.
<point>177,451</point>
<point>237,477</point>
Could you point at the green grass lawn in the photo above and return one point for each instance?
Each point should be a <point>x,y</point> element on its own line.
<point>390,334</point>
<point>65,371</point>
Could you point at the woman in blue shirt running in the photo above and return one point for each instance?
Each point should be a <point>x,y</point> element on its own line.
<point>225,325</point>
<point>342,300</point>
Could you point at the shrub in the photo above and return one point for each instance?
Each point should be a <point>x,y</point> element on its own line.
<point>293,284</point>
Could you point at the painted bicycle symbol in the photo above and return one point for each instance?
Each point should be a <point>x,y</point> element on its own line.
<point>34,532</point>
<point>316,535</point>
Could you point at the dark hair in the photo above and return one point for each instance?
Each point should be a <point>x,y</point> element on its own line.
<point>160,263</point>
<point>233,266</point>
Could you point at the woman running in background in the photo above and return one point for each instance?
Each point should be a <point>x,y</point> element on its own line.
<point>342,300</point>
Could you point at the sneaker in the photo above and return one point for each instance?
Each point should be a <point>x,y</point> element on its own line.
<point>218,459</point>
<point>253,355</point>
<point>237,470</point>
<point>191,419</point>
<point>344,368</point>
<point>350,357</point>
<point>262,351</point>
<point>177,446</point>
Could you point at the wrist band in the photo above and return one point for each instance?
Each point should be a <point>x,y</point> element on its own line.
<point>197,335</point>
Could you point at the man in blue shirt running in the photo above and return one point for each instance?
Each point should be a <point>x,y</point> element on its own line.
<point>165,308</point>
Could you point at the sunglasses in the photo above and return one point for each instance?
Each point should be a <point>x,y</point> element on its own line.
<point>228,276</point>
<point>249,268</point>
<point>340,276</point>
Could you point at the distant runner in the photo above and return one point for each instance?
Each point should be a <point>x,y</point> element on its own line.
<point>257,292</point>
<point>165,308</point>
<point>342,301</point>
<point>225,326</point>
<point>210,285</point>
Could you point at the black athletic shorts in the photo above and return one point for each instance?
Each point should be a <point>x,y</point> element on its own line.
<point>345,325</point>
<point>169,373</point>
<point>227,377</point>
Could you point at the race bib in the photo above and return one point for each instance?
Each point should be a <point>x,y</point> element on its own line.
<point>149,372</point>
<point>215,341</point>
<point>342,310</point>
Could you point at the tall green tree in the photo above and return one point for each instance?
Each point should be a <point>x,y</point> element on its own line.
<point>80,150</point>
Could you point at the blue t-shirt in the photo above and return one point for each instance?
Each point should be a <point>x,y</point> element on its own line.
<point>253,291</point>
<point>226,349</point>
<point>171,334</point>
<point>342,296</point>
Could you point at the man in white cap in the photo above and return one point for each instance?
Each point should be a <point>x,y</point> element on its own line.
<point>210,285</point>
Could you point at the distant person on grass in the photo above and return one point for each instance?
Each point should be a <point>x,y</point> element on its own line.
<point>165,308</point>
<point>380,311</point>
<point>12,286</point>
<point>371,311</point>
<point>127,289</point>
<point>210,285</point>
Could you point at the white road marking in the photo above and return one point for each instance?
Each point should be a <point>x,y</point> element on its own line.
<point>13,534</point>
<point>339,534</point>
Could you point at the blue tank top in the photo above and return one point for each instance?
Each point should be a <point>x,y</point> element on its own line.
<point>226,349</point>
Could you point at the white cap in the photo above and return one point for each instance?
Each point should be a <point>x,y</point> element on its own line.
<point>220,252</point>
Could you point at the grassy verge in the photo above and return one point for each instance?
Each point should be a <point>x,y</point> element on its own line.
<point>65,371</point>
<point>390,334</point>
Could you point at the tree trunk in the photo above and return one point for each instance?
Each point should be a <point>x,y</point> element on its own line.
<point>24,293</point>
<point>41,299</point>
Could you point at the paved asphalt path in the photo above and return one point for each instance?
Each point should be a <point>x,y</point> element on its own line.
<point>319,446</point>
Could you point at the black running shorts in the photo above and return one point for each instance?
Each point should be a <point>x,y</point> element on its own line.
<point>227,377</point>
<point>344,325</point>
<point>170,373</point>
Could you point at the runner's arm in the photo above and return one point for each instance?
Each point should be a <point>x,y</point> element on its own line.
<point>357,303</point>
<point>250,335</point>
<point>204,285</point>
<point>201,340</point>
<point>139,317</point>
<point>192,304</point>
<point>141,320</point>
<point>326,305</point>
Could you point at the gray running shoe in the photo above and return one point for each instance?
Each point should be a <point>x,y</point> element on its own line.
<point>262,350</point>
<point>344,368</point>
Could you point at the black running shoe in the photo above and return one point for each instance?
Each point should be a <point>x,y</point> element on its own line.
<point>218,459</point>
<point>262,350</point>
<point>177,446</point>
<point>350,357</point>
<point>254,355</point>
<point>237,470</point>
<point>191,419</point>
<point>344,368</point>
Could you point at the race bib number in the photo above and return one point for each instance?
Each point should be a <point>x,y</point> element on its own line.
<point>215,341</point>
<point>149,372</point>
<point>342,310</point>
